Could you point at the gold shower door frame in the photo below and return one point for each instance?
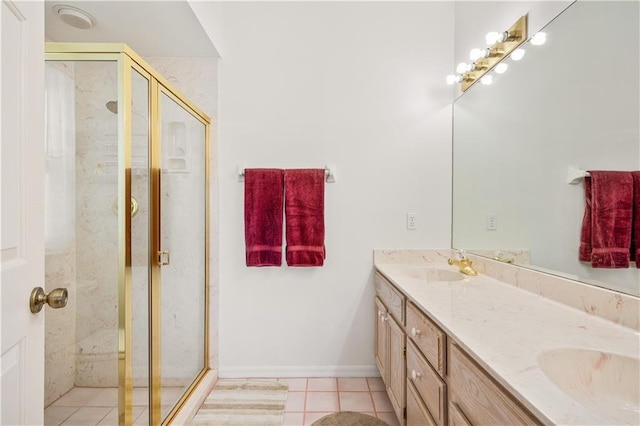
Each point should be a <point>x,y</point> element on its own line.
<point>127,62</point>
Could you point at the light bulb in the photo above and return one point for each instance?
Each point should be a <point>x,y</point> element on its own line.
<point>486,80</point>
<point>501,67</point>
<point>492,38</point>
<point>539,39</point>
<point>462,68</point>
<point>451,79</point>
<point>517,54</point>
<point>476,54</point>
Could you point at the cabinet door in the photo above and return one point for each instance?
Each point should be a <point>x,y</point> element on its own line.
<point>429,386</point>
<point>397,370</point>
<point>456,418</point>
<point>382,344</point>
<point>475,398</point>
<point>417,413</point>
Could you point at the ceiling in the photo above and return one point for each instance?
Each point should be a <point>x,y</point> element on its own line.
<point>151,28</point>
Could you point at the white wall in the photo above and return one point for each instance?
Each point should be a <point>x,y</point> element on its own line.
<point>305,84</point>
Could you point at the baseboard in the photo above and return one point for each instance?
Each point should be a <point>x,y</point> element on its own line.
<point>300,371</point>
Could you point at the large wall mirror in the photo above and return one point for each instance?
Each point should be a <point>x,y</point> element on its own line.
<point>572,102</point>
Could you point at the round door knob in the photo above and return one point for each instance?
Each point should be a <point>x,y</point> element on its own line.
<point>415,332</point>
<point>415,374</point>
<point>56,299</point>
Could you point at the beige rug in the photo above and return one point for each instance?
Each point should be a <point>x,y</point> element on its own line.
<point>348,418</point>
<point>234,402</point>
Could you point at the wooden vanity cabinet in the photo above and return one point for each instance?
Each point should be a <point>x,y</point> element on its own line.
<point>417,414</point>
<point>390,342</point>
<point>430,380</point>
<point>426,362</point>
<point>475,399</point>
<point>429,339</point>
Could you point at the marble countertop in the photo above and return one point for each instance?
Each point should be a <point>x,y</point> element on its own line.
<point>505,329</point>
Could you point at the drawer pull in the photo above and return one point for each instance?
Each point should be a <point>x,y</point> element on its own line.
<point>384,318</point>
<point>415,375</point>
<point>415,332</point>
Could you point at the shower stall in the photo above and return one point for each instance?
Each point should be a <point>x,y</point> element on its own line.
<point>126,233</point>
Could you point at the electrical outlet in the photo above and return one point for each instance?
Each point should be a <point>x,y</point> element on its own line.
<point>412,221</point>
<point>492,222</point>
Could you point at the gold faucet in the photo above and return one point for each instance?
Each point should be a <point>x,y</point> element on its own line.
<point>464,264</point>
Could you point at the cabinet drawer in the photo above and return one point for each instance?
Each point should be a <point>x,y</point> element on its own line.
<point>427,337</point>
<point>391,297</point>
<point>417,413</point>
<point>427,383</point>
<point>477,399</point>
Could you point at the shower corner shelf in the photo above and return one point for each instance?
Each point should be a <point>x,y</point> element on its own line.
<point>177,165</point>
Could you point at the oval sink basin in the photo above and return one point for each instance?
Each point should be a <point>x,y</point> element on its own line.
<point>605,383</point>
<point>429,273</point>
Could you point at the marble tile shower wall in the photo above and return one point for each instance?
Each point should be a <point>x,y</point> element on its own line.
<point>60,247</point>
<point>96,225</point>
<point>60,324</point>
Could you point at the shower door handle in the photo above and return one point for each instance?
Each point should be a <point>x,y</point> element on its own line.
<point>163,258</point>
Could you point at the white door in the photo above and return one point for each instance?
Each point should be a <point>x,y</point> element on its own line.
<point>21,207</point>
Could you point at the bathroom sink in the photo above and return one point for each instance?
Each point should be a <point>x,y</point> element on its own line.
<point>606,383</point>
<point>430,273</point>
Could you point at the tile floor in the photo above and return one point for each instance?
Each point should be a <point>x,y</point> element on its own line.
<point>312,398</point>
<point>308,399</point>
<point>98,406</point>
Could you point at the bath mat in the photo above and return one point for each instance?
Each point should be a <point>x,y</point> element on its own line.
<point>234,402</point>
<point>348,418</point>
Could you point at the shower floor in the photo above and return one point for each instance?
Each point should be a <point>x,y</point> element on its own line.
<point>98,406</point>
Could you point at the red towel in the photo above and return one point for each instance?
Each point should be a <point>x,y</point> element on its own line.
<point>635,238</point>
<point>263,195</point>
<point>304,211</point>
<point>611,219</point>
<point>585,235</point>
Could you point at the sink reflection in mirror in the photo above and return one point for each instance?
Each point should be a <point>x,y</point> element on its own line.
<point>605,383</point>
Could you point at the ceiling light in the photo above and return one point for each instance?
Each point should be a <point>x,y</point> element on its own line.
<point>72,16</point>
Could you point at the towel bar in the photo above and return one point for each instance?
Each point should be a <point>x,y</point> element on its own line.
<point>329,173</point>
<point>575,175</point>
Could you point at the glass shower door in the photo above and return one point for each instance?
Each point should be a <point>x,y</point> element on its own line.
<point>183,207</point>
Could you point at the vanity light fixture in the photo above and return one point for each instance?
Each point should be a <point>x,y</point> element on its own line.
<point>501,67</point>
<point>539,39</point>
<point>455,78</point>
<point>517,54</point>
<point>462,68</point>
<point>484,60</point>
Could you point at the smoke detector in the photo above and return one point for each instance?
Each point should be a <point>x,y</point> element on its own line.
<point>71,15</point>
